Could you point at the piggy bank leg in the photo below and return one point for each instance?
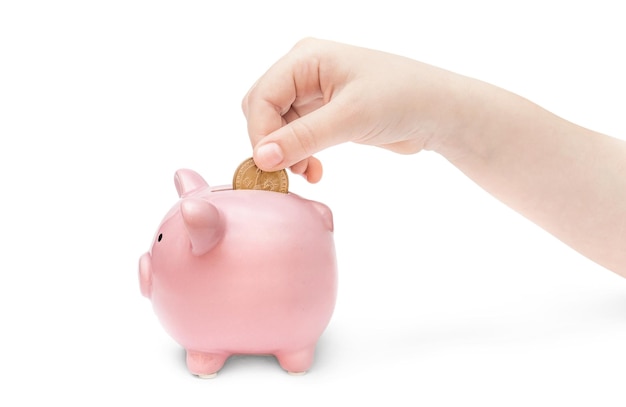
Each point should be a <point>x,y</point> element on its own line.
<point>296,362</point>
<point>205,365</point>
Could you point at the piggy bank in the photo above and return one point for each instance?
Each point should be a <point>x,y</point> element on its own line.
<point>241,272</point>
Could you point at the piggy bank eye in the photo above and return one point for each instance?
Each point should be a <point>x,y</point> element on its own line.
<point>160,237</point>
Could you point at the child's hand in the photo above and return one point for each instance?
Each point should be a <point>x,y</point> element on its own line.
<point>323,93</point>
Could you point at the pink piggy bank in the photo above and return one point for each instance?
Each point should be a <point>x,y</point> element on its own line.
<point>242,272</point>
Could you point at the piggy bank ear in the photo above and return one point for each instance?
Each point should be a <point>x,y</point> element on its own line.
<point>326,213</point>
<point>204,224</point>
<point>187,181</point>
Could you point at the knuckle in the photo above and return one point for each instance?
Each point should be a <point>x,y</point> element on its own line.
<point>304,136</point>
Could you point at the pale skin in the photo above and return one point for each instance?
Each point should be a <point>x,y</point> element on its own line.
<point>569,180</point>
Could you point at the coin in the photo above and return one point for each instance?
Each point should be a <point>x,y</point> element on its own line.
<point>249,176</point>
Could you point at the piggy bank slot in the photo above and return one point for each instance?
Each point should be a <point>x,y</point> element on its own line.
<point>222,188</point>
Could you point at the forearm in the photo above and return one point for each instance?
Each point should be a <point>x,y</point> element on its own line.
<point>569,180</point>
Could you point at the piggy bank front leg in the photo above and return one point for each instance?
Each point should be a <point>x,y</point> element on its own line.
<point>205,365</point>
<point>296,362</point>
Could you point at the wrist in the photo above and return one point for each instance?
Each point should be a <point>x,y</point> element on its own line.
<point>477,119</point>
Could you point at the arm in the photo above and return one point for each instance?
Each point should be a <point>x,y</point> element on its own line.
<point>569,180</point>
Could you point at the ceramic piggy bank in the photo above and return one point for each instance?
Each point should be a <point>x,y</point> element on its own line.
<point>242,272</point>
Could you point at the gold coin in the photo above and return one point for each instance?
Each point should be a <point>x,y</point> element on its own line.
<point>249,176</point>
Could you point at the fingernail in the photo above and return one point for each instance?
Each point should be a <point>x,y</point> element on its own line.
<point>270,154</point>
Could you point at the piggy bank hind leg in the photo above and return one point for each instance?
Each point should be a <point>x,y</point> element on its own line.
<point>205,365</point>
<point>296,362</point>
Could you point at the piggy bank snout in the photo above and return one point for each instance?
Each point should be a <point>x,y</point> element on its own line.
<point>145,274</point>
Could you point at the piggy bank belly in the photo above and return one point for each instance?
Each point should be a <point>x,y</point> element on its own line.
<point>250,308</point>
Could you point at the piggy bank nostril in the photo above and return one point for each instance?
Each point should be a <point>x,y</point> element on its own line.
<point>160,237</point>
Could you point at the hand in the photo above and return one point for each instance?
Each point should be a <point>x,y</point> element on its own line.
<point>324,93</point>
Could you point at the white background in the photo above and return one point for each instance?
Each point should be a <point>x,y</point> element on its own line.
<point>446,296</point>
